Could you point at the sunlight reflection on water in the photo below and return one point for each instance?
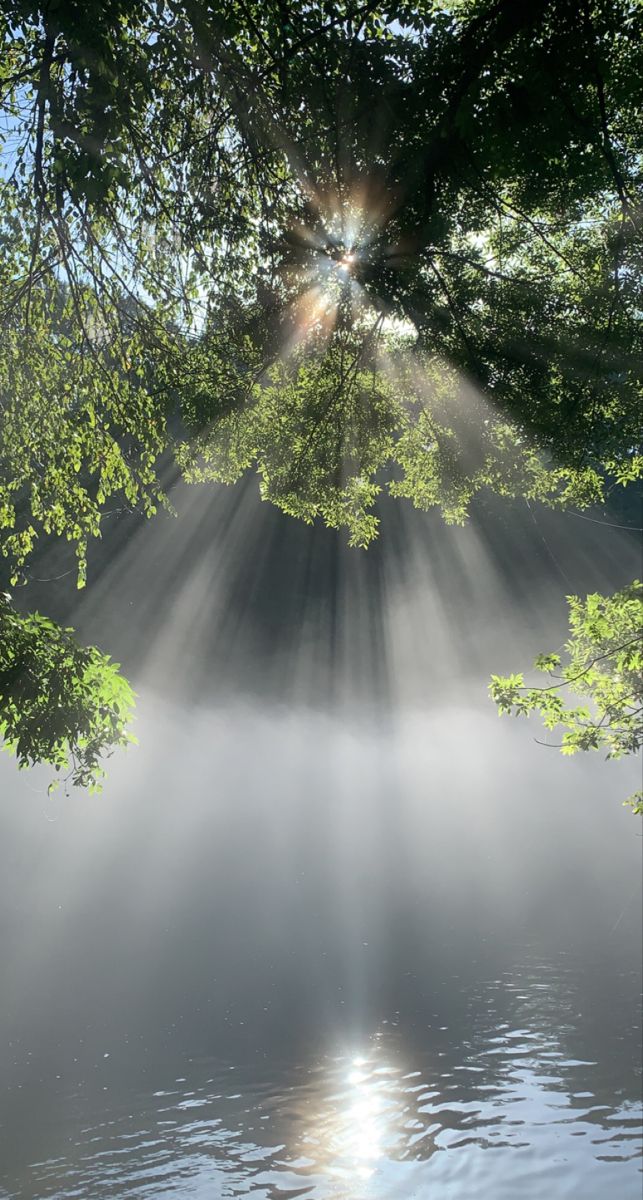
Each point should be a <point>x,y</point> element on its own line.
<point>496,1105</point>
<point>360,1127</point>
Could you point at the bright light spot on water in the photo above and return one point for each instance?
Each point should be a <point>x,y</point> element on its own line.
<point>361,1129</point>
<point>363,1139</point>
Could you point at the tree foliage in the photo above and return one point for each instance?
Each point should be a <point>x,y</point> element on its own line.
<point>351,247</point>
<point>189,175</point>
<point>603,663</point>
<point>60,703</point>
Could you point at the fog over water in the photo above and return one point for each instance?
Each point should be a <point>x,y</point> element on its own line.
<point>333,928</point>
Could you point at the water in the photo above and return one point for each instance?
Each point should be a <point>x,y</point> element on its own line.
<point>333,929</point>
<point>499,1101</point>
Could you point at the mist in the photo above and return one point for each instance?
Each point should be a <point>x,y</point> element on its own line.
<point>292,859</point>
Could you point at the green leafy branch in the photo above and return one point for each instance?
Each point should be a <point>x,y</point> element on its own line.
<point>60,703</point>
<point>604,664</point>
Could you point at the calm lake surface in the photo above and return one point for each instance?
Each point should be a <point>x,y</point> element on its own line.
<point>333,929</point>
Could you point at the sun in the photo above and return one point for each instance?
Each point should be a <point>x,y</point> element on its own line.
<point>347,261</point>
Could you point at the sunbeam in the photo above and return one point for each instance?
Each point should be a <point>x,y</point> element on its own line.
<point>319,447</point>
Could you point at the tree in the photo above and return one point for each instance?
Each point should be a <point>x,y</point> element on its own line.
<point>350,246</point>
<point>604,664</point>
<point>184,167</point>
<point>60,703</point>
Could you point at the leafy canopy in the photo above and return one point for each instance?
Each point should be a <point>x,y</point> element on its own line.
<point>603,662</point>
<point>349,247</point>
<point>60,703</point>
<point>199,198</point>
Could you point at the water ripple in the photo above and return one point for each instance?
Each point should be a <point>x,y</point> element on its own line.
<point>504,1108</point>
